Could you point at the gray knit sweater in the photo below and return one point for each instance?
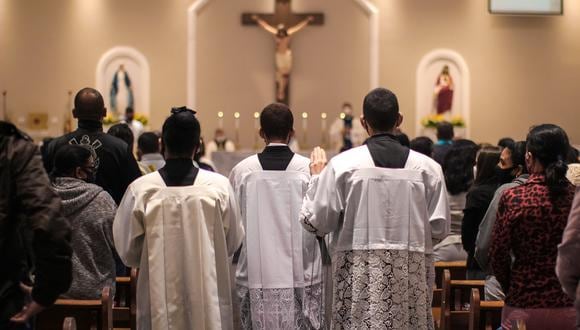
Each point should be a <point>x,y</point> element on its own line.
<point>90,211</point>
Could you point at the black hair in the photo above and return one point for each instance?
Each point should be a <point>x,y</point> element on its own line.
<point>181,133</point>
<point>506,142</point>
<point>89,104</point>
<point>445,131</point>
<point>518,151</point>
<point>123,131</point>
<point>572,157</point>
<point>68,158</point>
<point>129,110</point>
<point>487,161</point>
<point>549,145</point>
<point>403,139</point>
<point>458,166</point>
<point>148,143</point>
<point>381,109</point>
<point>276,121</point>
<point>422,144</point>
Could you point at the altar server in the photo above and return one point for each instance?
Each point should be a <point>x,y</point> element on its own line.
<point>383,204</point>
<point>278,275</point>
<point>180,226</point>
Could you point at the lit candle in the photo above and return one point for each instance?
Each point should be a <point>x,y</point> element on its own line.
<point>304,121</point>
<point>323,122</point>
<point>237,125</point>
<point>220,119</point>
<point>237,119</point>
<point>256,120</point>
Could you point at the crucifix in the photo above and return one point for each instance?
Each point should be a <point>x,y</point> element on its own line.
<point>282,25</point>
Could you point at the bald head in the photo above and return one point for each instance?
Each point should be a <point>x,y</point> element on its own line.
<point>89,105</point>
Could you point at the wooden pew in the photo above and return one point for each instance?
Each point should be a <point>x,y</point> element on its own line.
<point>89,314</point>
<point>458,270</point>
<point>125,309</point>
<point>456,296</point>
<point>484,315</point>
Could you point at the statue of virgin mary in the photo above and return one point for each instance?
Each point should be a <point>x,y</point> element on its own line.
<point>121,94</point>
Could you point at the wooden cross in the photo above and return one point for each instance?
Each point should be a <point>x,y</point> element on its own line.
<point>283,15</point>
<point>283,23</point>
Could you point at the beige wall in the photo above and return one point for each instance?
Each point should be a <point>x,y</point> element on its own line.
<point>524,70</point>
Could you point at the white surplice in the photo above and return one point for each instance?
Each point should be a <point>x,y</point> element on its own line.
<point>279,269</point>
<point>382,222</point>
<point>182,239</point>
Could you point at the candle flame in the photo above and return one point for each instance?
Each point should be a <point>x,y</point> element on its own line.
<point>220,114</point>
<point>304,115</point>
<point>323,115</point>
<point>342,115</point>
<point>256,115</point>
<point>236,115</point>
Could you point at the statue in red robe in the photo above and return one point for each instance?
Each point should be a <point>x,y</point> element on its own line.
<point>444,91</point>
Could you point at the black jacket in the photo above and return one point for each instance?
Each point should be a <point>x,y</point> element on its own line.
<point>478,199</point>
<point>34,237</point>
<point>117,166</point>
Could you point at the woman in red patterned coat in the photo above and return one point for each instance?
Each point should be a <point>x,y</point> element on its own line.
<point>530,224</point>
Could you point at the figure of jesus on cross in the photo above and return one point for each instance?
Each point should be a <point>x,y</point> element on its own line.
<point>277,25</point>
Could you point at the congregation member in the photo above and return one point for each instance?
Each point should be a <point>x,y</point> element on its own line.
<point>567,265</point>
<point>381,243</point>
<point>201,160</point>
<point>476,204</point>
<point>445,135</point>
<point>90,212</point>
<point>458,173</point>
<point>511,167</point>
<point>180,226</point>
<point>505,142</point>
<point>123,131</point>
<point>30,224</point>
<point>114,161</point>
<point>148,153</point>
<point>423,145</point>
<point>573,174</point>
<point>278,275</point>
<point>135,125</point>
<point>220,142</point>
<point>530,224</point>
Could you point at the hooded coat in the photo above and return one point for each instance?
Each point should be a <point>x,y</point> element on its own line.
<point>90,211</point>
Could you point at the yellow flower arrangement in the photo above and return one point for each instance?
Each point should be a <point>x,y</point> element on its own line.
<point>432,120</point>
<point>111,119</point>
<point>141,118</point>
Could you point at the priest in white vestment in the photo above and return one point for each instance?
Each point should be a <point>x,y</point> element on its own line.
<point>279,270</point>
<point>382,204</point>
<point>180,226</point>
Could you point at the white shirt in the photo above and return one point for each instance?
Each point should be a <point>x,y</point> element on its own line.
<point>181,238</point>
<point>277,252</point>
<point>368,208</point>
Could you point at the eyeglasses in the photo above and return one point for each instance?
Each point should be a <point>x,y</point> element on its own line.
<point>177,110</point>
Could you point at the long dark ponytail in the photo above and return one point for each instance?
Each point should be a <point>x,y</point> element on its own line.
<point>549,145</point>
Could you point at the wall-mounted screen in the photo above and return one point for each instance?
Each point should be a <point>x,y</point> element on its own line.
<point>526,7</point>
